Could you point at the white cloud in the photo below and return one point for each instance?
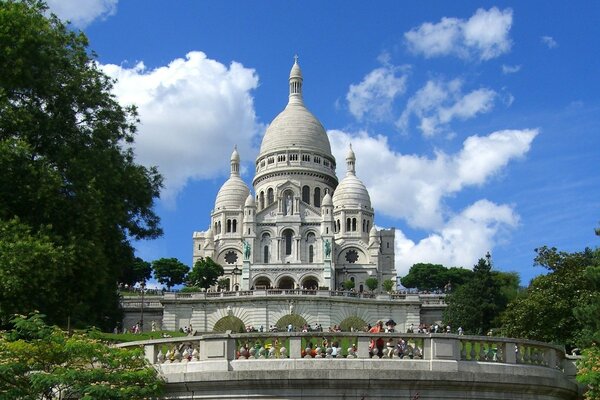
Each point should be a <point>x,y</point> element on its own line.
<point>82,12</point>
<point>414,188</point>
<point>465,238</point>
<point>192,111</point>
<point>549,41</point>
<point>438,103</point>
<point>372,98</point>
<point>484,36</point>
<point>510,69</point>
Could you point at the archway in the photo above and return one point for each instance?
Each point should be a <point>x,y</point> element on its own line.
<point>310,282</point>
<point>262,282</point>
<point>286,283</point>
<point>229,323</point>
<point>295,320</point>
<point>353,323</point>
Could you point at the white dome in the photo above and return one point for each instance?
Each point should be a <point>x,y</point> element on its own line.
<point>327,200</point>
<point>232,194</point>
<point>250,201</point>
<point>351,192</point>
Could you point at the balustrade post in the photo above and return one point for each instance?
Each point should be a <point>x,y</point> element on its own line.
<point>510,356</point>
<point>363,347</point>
<point>439,348</point>
<point>150,353</point>
<point>295,350</point>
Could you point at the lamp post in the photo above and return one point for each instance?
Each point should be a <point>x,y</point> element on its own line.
<point>143,286</point>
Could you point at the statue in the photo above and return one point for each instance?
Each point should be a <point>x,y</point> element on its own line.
<point>327,248</point>
<point>288,205</point>
<point>291,307</point>
<point>247,250</point>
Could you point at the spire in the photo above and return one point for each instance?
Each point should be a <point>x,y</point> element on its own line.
<point>295,83</point>
<point>350,161</point>
<point>235,162</point>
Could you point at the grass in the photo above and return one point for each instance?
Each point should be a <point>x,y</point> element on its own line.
<point>131,337</point>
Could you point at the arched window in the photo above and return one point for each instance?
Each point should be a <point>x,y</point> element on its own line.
<point>261,201</point>
<point>368,228</point>
<point>266,254</point>
<point>311,254</point>
<point>348,224</point>
<point>364,225</point>
<point>317,197</point>
<point>306,194</point>
<point>219,227</point>
<point>270,196</point>
<point>361,288</point>
<point>338,226</point>
<point>265,241</point>
<point>288,242</point>
<point>234,226</point>
<point>228,226</point>
<point>353,224</point>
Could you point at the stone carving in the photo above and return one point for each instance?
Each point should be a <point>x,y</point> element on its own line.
<point>288,205</point>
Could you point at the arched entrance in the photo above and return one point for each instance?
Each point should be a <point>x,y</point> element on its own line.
<point>286,282</point>
<point>229,323</point>
<point>310,283</point>
<point>262,282</point>
<point>295,320</point>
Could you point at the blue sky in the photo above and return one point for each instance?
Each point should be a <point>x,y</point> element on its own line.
<point>475,124</point>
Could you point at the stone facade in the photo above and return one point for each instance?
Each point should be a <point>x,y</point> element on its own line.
<point>303,228</point>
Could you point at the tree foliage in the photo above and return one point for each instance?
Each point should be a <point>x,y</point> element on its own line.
<point>388,285</point>
<point>169,271</point>
<point>425,277</point>
<point>372,283</point>
<point>136,272</point>
<point>69,180</point>
<point>205,273</point>
<point>475,305</point>
<point>588,371</point>
<point>43,362</point>
<point>545,311</point>
<point>348,284</point>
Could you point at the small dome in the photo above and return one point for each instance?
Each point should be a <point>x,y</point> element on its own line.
<point>373,231</point>
<point>209,234</point>
<point>250,201</point>
<point>351,192</point>
<point>232,194</point>
<point>296,72</point>
<point>235,156</point>
<point>327,200</point>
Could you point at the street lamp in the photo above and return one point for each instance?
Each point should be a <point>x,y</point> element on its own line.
<point>143,286</point>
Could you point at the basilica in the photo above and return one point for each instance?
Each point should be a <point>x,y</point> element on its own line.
<point>302,227</point>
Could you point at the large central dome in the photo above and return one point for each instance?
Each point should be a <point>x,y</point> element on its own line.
<point>295,127</point>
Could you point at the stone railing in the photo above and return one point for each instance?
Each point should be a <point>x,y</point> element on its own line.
<point>352,345</point>
<point>136,303</point>
<point>425,298</point>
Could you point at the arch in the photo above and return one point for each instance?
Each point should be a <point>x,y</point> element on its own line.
<point>317,197</point>
<point>228,226</point>
<point>364,224</point>
<point>288,202</point>
<point>270,196</point>
<point>353,323</point>
<point>297,322</point>
<point>234,226</point>
<point>306,194</point>
<point>338,226</point>
<point>288,235</point>
<point>310,282</point>
<point>219,227</point>
<point>262,281</point>
<point>286,282</point>
<point>261,200</point>
<point>265,254</point>
<point>311,254</point>
<point>353,224</point>
<point>348,224</point>
<point>229,323</point>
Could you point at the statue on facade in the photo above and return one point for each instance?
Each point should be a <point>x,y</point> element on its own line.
<point>327,248</point>
<point>288,205</point>
<point>247,249</point>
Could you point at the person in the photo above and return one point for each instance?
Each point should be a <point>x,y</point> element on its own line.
<point>247,250</point>
<point>376,344</point>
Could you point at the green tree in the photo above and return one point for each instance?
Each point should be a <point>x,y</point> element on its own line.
<point>426,277</point>
<point>136,272</point>
<point>545,310</point>
<point>205,273</point>
<point>68,170</point>
<point>588,371</point>
<point>388,285</point>
<point>587,312</point>
<point>44,362</point>
<point>223,283</point>
<point>476,304</point>
<point>457,276</point>
<point>169,271</point>
<point>372,283</point>
<point>348,284</point>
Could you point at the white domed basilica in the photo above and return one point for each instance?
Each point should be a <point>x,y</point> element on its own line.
<point>303,228</point>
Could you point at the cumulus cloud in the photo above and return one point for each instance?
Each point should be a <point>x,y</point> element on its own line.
<point>192,111</point>
<point>413,188</point>
<point>464,238</point>
<point>82,12</point>
<point>373,97</point>
<point>549,41</point>
<point>484,36</point>
<point>510,69</point>
<point>439,102</point>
